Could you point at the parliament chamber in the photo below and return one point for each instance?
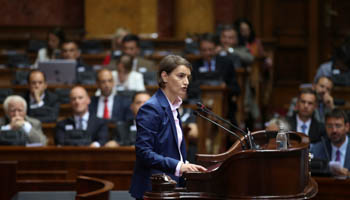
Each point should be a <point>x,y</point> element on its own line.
<point>297,37</point>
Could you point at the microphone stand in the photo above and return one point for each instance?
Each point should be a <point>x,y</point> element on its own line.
<point>206,110</point>
<point>219,125</point>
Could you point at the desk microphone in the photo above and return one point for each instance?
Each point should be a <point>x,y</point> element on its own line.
<point>221,126</point>
<point>247,136</point>
<point>203,108</point>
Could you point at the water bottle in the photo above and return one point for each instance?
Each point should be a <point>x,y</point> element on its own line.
<point>281,140</point>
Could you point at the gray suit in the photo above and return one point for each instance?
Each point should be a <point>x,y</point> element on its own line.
<point>35,135</point>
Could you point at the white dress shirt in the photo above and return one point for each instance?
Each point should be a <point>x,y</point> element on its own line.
<point>34,104</point>
<point>300,123</point>
<point>174,108</point>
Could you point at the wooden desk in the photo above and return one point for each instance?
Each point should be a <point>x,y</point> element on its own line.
<point>66,163</point>
<point>332,188</point>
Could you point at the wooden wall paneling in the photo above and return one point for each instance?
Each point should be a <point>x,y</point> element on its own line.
<point>193,16</point>
<point>291,30</point>
<point>165,17</point>
<point>268,20</point>
<point>106,16</point>
<point>224,13</point>
<point>290,66</point>
<point>42,13</point>
<point>313,38</point>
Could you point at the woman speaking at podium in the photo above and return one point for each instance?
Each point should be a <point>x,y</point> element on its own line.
<point>160,145</point>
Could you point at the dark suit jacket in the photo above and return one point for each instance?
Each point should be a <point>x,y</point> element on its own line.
<point>84,73</point>
<point>224,72</point>
<point>316,129</point>
<point>49,111</point>
<point>98,129</point>
<point>319,151</point>
<point>156,144</point>
<point>121,108</point>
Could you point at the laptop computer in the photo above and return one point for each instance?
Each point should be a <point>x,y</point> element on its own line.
<point>59,71</point>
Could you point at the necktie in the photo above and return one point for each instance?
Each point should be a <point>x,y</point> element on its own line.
<point>209,65</point>
<point>303,128</point>
<point>337,156</point>
<point>105,111</point>
<point>80,123</point>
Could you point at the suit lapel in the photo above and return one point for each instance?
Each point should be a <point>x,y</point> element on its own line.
<point>347,156</point>
<point>165,104</point>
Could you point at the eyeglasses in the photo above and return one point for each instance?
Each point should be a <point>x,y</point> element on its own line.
<point>337,126</point>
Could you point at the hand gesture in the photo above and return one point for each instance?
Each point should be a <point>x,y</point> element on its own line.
<point>17,122</point>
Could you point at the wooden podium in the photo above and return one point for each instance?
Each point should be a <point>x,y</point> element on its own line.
<point>263,173</point>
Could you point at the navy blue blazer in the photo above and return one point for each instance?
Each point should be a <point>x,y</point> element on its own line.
<point>156,144</point>
<point>319,151</point>
<point>121,108</point>
<point>98,129</point>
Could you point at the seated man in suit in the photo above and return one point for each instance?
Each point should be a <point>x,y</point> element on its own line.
<point>84,73</point>
<point>127,137</point>
<point>15,108</point>
<point>96,129</point>
<point>213,69</point>
<point>229,43</point>
<point>42,104</point>
<point>131,47</point>
<point>323,88</point>
<point>335,148</point>
<point>304,120</point>
<point>108,105</point>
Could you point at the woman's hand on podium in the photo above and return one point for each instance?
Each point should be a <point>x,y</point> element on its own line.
<point>188,167</point>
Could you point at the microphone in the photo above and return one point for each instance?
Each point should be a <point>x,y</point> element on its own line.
<point>247,136</point>
<point>221,126</point>
<point>202,107</point>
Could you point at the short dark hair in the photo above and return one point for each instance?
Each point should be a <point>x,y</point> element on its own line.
<point>70,41</point>
<point>131,37</point>
<point>228,27</point>
<point>34,71</point>
<point>168,64</point>
<point>307,91</point>
<point>208,37</point>
<point>137,93</point>
<point>127,62</point>
<point>337,113</point>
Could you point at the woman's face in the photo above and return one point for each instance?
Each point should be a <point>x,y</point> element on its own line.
<point>245,30</point>
<point>53,41</point>
<point>176,82</point>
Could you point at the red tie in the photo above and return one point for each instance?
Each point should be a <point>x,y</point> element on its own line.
<point>105,111</point>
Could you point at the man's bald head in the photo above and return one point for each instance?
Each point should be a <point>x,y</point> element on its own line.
<point>79,100</point>
<point>105,82</point>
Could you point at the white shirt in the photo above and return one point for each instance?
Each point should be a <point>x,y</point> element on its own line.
<point>300,123</point>
<point>174,108</point>
<point>342,150</point>
<point>26,127</point>
<point>133,82</point>
<point>34,104</point>
<point>101,106</point>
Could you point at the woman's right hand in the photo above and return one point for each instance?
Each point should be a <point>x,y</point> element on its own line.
<point>188,167</point>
